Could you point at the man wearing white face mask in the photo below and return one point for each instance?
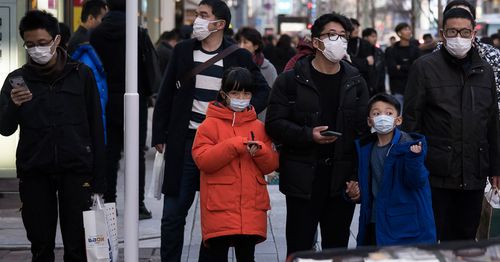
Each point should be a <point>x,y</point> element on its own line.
<point>55,102</point>
<point>320,95</point>
<point>192,80</point>
<point>451,99</point>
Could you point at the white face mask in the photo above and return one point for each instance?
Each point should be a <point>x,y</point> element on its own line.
<point>41,54</point>
<point>334,50</point>
<point>383,124</point>
<point>458,46</point>
<point>238,105</point>
<point>200,28</point>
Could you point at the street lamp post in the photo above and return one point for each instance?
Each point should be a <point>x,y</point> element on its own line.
<point>131,143</point>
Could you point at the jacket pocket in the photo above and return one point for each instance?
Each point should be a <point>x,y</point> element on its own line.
<point>296,176</point>
<point>70,104</point>
<point>222,195</point>
<point>439,159</point>
<point>402,220</point>
<point>484,160</point>
<point>261,194</point>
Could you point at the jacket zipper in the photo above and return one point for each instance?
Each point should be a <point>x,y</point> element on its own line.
<point>473,99</point>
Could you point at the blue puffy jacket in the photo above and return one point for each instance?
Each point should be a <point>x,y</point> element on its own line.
<point>404,205</point>
<point>86,54</point>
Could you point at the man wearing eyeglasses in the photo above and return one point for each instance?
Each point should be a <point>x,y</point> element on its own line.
<point>59,162</point>
<point>451,99</point>
<point>315,112</point>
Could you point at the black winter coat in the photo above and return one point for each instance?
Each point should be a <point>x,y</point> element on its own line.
<point>60,128</point>
<point>455,107</point>
<point>404,57</point>
<point>173,108</point>
<point>294,111</point>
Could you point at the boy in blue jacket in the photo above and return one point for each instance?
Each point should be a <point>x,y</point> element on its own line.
<point>396,205</point>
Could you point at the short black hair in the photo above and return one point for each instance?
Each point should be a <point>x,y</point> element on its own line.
<point>368,32</point>
<point>487,40</point>
<point>401,26</point>
<point>174,34</point>
<point>236,79</point>
<point>427,36</point>
<point>319,24</point>
<point>117,5</point>
<point>92,7</point>
<point>65,34</point>
<point>355,22</point>
<point>458,13</point>
<point>455,3</point>
<point>386,98</point>
<point>252,35</point>
<point>495,36</point>
<point>36,19</point>
<point>220,10</point>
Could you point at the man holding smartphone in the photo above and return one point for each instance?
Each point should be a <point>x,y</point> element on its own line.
<point>59,158</point>
<point>315,112</point>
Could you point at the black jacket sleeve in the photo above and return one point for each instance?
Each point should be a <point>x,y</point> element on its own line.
<point>8,111</point>
<point>414,99</point>
<point>163,106</point>
<point>96,129</point>
<point>494,132</point>
<point>279,124</point>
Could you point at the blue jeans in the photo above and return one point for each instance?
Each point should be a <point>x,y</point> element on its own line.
<point>175,209</point>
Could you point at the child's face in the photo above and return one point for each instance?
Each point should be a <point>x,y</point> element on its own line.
<point>238,95</point>
<point>383,108</point>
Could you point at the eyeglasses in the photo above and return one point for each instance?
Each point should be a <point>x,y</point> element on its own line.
<point>335,37</point>
<point>30,45</point>
<point>452,32</point>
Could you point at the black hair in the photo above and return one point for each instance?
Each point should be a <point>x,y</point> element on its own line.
<point>36,19</point>
<point>458,13</point>
<point>401,26</point>
<point>251,35</point>
<point>220,10</point>
<point>236,79</point>
<point>65,35</point>
<point>454,3</point>
<point>185,32</point>
<point>354,22</point>
<point>368,32</point>
<point>427,36</point>
<point>386,98</point>
<point>495,36</point>
<point>487,40</point>
<point>285,41</point>
<point>319,24</point>
<point>117,5</point>
<point>169,35</point>
<point>92,7</point>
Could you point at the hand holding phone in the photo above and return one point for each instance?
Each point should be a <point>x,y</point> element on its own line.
<point>20,92</point>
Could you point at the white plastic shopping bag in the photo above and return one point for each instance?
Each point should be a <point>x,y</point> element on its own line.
<point>96,233</point>
<point>155,186</point>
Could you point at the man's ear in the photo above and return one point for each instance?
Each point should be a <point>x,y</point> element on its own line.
<point>221,25</point>
<point>57,40</point>
<point>315,43</point>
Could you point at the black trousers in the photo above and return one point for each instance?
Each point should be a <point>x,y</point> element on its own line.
<point>217,248</point>
<point>41,196</point>
<point>456,213</point>
<point>334,215</point>
<point>115,140</point>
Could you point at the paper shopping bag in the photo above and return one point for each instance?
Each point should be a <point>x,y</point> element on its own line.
<point>156,184</point>
<point>96,239</point>
<point>489,224</point>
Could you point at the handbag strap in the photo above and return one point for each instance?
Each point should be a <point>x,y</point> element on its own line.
<point>199,68</point>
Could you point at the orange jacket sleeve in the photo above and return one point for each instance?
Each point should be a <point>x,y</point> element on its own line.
<point>211,155</point>
<point>266,158</point>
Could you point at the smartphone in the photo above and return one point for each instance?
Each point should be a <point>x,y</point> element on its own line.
<point>330,133</point>
<point>17,82</point>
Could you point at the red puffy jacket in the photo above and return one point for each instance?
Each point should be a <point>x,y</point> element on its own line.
<point>233,191</point>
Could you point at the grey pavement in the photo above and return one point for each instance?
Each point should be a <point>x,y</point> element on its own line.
<point>14,245</point>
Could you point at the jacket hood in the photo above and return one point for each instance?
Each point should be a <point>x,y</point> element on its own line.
<point>218,110</point>
<point>113,25</point>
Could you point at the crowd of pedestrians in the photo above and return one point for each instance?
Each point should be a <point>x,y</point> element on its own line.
<point>416,154</point>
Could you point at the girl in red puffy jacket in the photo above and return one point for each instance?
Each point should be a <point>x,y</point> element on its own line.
<point>233,153</point>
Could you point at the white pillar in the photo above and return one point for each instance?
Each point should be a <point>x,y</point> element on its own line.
<point>131,143</point>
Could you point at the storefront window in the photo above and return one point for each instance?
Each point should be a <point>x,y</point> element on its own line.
<point>55,7</point>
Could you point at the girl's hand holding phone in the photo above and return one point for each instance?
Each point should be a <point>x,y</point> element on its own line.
<point>253,147</point>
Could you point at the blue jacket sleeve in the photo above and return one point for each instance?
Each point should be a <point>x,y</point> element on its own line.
<point>416,174</point>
